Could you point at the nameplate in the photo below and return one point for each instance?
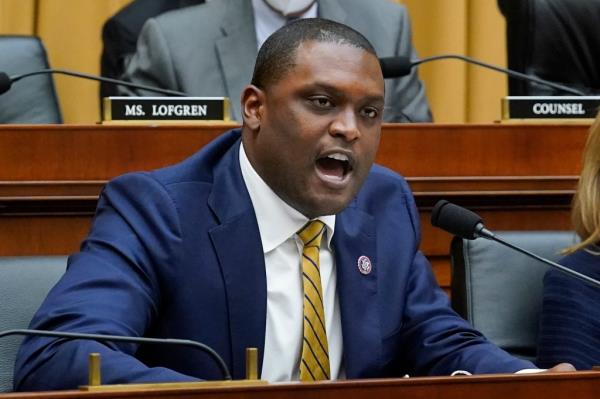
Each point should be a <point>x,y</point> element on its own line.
<point>136,109</point>
<point>546,107</point>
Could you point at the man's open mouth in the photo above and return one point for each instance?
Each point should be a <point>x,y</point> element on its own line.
<point>335,166</point>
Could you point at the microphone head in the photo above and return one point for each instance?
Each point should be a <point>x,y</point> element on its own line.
<point>456,220</point>
<point>395,67</point>
<point>5,82</point>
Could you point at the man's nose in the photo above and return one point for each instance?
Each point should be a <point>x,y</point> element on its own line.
<point>345,125</point>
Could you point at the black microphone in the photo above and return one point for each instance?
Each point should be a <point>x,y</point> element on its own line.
<point>458,221</point>
<point>467,224</point>
<point>118,338</point>
<point>397,67</point>
<point>7,81</point>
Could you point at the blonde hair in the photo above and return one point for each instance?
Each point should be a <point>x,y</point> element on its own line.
<point>585,213</point>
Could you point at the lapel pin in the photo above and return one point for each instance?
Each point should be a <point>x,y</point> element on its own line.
<point>364,265</point>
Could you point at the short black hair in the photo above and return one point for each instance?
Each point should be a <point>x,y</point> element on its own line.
<point>277,54</point>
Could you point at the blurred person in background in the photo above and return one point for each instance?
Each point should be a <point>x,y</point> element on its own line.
<point>120,34</point>
<point>570,322</point>
<point>209,49</point>
<point>555,40</point>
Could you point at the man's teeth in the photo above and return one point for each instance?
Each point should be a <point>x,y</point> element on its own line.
<point>338,157</point>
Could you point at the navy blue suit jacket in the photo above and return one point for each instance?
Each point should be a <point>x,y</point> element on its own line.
<point>177,253</point>
<point>570,318</point>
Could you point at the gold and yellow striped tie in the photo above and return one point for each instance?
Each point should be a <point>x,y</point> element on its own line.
<point>314,364</point>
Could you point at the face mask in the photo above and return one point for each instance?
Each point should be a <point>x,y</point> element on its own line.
<point>289,7</point>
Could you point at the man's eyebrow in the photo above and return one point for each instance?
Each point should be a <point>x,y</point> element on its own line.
<point>340,93</point>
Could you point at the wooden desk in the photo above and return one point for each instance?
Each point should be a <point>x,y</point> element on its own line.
<point>519,177</point>
<point>556,386</point>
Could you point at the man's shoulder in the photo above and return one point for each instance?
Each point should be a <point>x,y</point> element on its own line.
<point>379,6</point>
<point>201,165</point>
<point>384,187</point>
<point>205,23</point>
<point>387,200</point>
<point>381,21</point>
<point>381,175</point>
<point>381,10</point>
<point>200,16</point>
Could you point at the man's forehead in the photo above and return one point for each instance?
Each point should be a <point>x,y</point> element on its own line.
<point>312,53</point>
<point>321,57</point>
<point>328,60</point>
<point>331,45</point>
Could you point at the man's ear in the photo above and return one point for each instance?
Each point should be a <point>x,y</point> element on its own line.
<point>253,103</point>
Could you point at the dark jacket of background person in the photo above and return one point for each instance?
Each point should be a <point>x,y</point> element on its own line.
<point>209,50</point>
<point>556,40</point>
<point>570,322</point>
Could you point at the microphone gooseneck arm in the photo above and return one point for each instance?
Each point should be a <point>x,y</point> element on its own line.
<point>395,67</point>
<point>16,78</point>
<point>507,71</point>
<point>118,338</point>
<point>466,224</point>
<point>558,266</point>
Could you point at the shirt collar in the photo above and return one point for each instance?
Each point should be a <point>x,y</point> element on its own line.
<point>267,20</point>
<point>277,221</point>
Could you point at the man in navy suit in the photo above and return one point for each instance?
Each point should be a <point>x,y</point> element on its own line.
<point>208,250</point>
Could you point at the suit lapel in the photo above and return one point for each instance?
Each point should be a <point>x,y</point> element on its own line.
<point>361,328</point>
<point>331,9</point>
<point>237,51</point>
<point>237,245</point>
<point>238,47</point>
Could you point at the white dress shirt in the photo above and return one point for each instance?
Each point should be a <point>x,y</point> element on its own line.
<point>267,20</point>
<point>278,223</point>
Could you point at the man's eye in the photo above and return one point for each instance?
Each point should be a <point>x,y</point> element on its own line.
<point>321,102</point>
<point>371,113</point>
